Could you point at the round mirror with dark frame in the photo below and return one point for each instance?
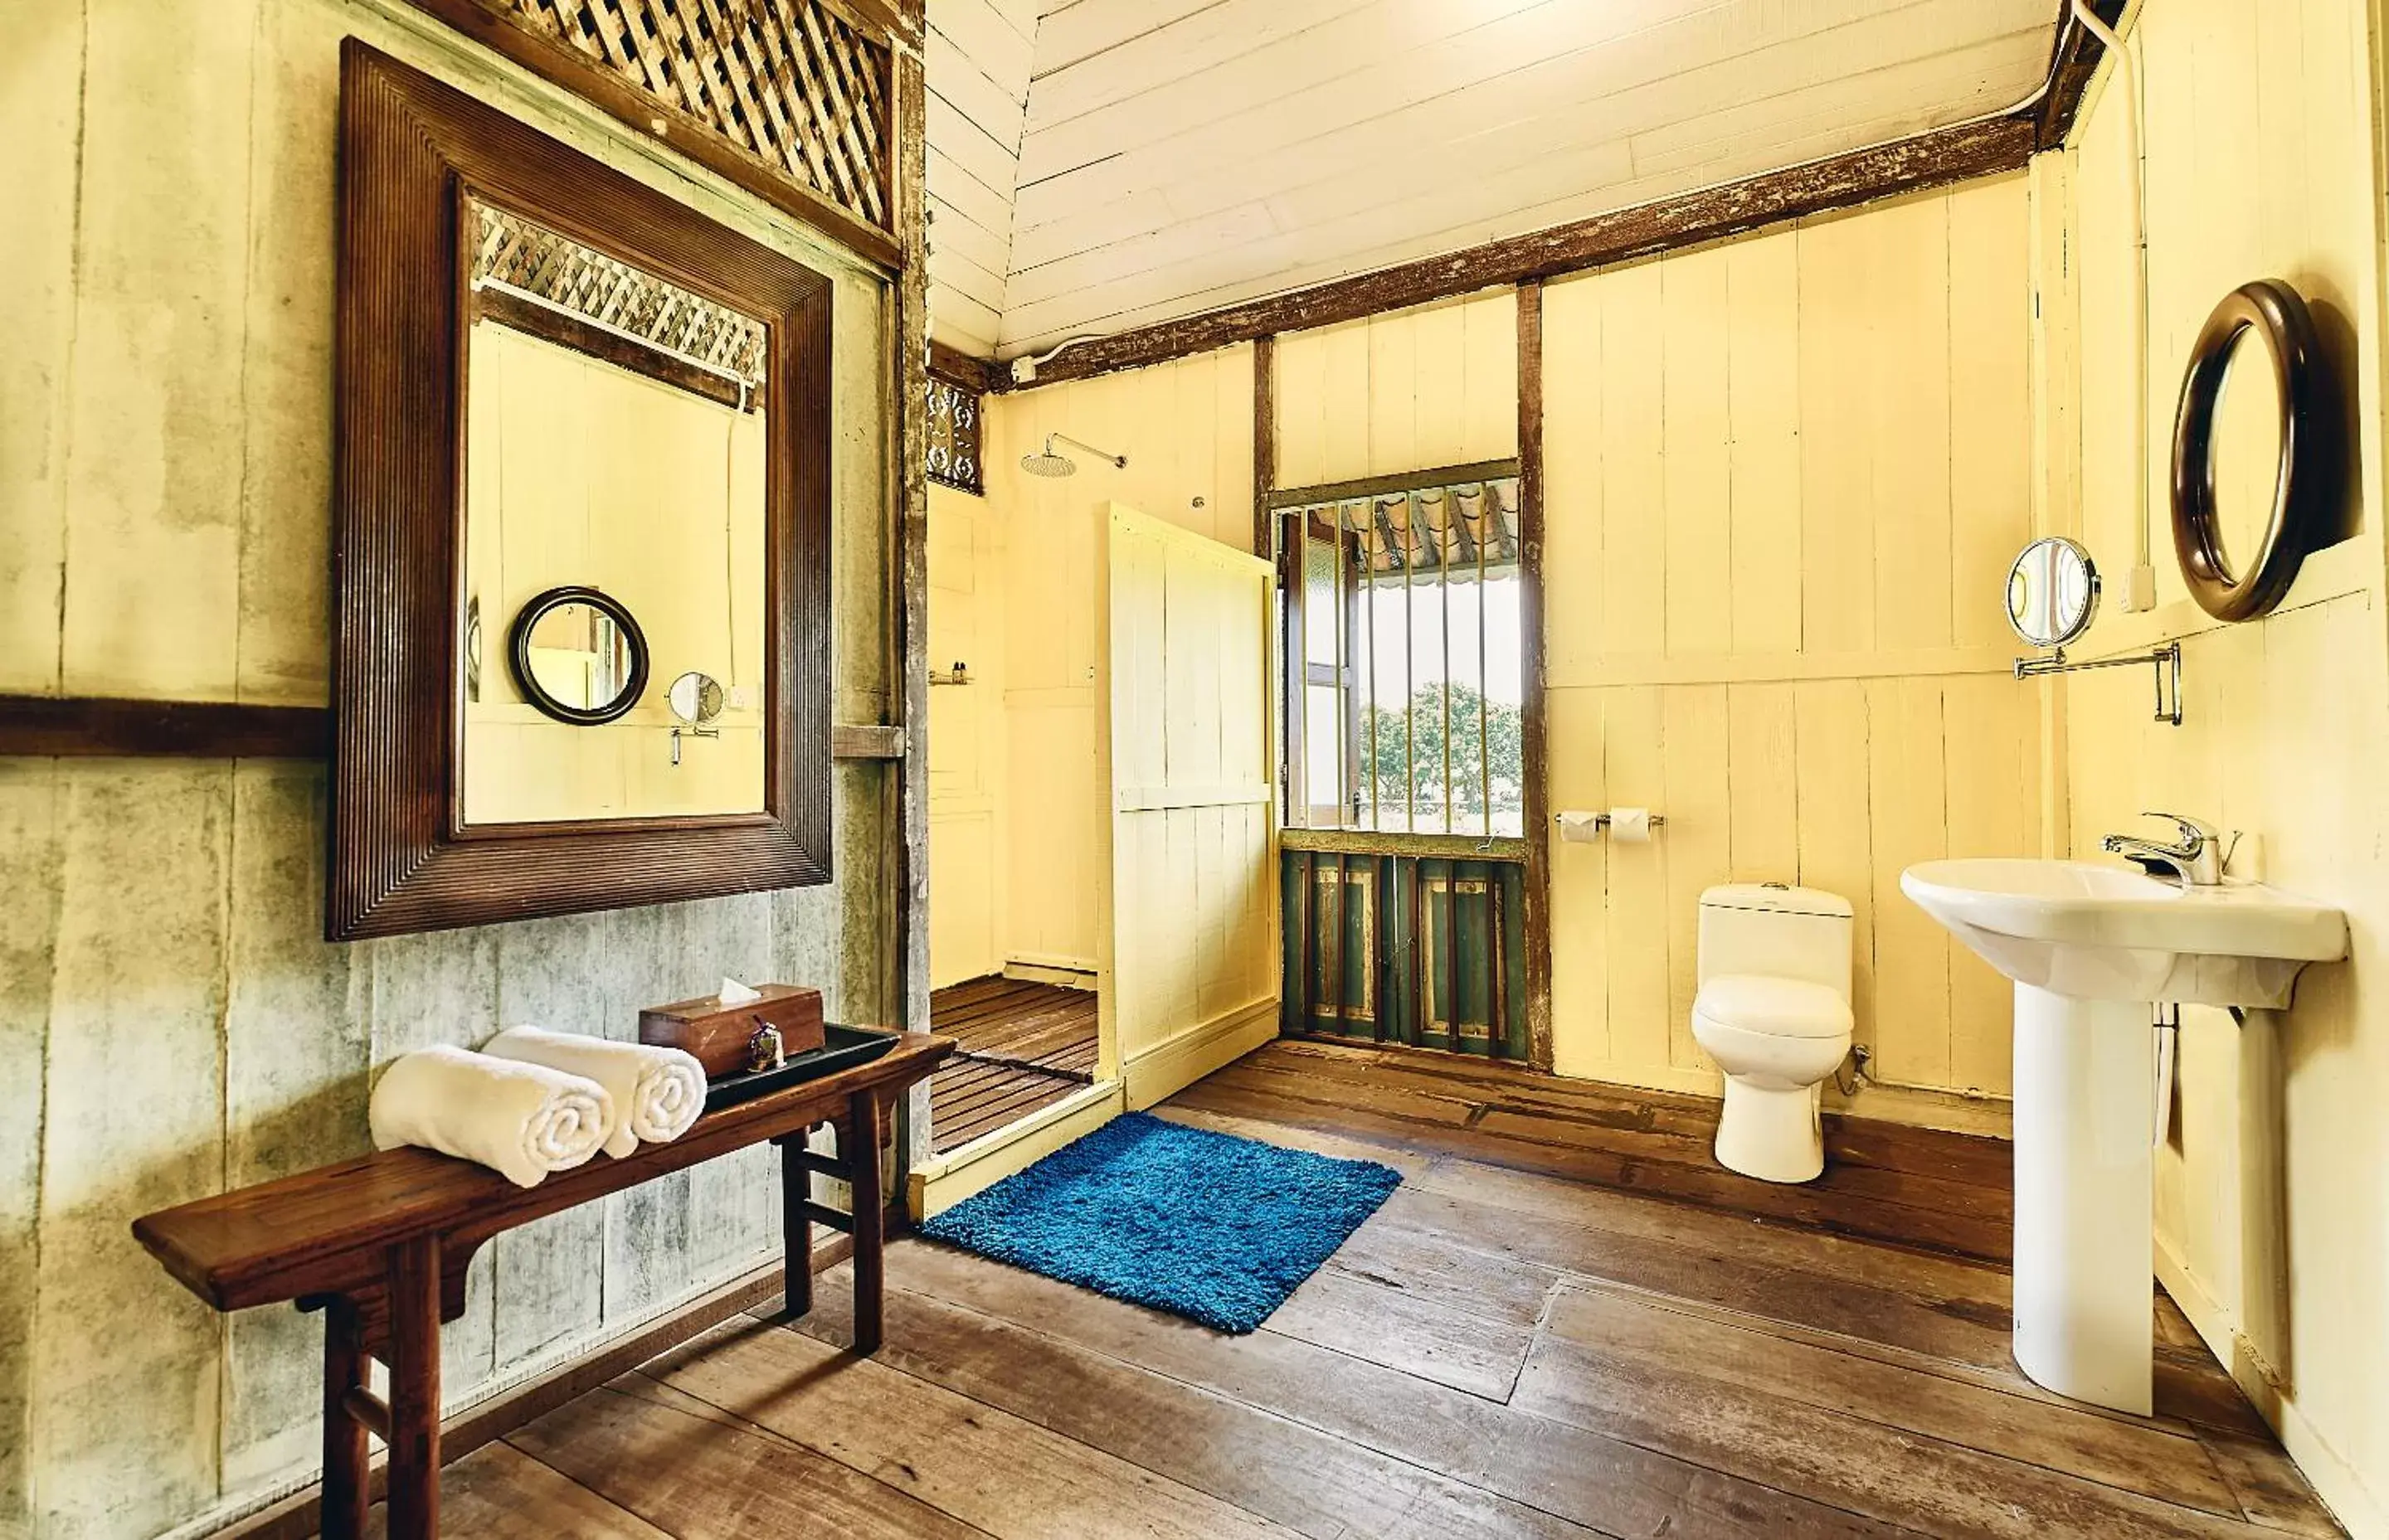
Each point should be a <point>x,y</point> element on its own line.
<point>2253,466</point>
<point>2052,592</point>
<point>579,655</point>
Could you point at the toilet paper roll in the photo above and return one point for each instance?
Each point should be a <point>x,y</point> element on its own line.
<point>1629,826</point>
<point>1580,828</point>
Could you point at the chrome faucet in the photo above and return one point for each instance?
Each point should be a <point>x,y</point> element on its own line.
<point>2197,860</point>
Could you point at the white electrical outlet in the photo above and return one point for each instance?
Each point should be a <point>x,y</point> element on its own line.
<point>742,695</point>
<point>2141,589</point>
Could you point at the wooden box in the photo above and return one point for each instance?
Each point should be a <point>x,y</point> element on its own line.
<point>718,1033</point>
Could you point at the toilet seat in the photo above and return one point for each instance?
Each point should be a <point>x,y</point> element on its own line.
<point>1772,1006</point>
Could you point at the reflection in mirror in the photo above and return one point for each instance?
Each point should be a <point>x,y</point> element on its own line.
<point>2052,592</point>
<point>696,699</point>
<point>2246,450</point>
<point>614,444</point>
<point>579,657</point>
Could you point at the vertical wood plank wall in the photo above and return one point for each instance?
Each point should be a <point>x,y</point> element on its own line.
<point>967,752</point>
<point>1408,391</point>
<point>1784,478</point>
<point>2272,1203</point>
<point>1191,948</point>
<point>171,1021</point>
<point>1186,428</point>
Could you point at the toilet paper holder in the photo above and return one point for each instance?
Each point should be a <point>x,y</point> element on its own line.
<point>1601,820</point>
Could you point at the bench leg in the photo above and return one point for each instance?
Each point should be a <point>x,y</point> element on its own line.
<point>858,1149</point>
<point>414,1390</point>
<point>795,1226</point>
<point>345,1490</point>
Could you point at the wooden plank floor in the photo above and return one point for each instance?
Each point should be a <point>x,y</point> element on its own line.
<point>1024,1046</point>
<point>1562,1323</point>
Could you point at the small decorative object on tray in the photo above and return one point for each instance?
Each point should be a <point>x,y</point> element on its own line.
<point>732,1035</point>
<point>845,1047</point>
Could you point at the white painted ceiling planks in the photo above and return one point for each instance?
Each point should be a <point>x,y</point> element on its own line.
<point>1104,164</point>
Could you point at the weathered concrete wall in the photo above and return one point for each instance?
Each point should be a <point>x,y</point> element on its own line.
<point>171,1023</point>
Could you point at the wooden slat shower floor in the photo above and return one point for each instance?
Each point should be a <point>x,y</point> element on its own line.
<point>1558,1325</point>
<point>1026,1024</point>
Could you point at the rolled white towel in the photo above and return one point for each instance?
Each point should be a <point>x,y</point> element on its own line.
<point>658,1091</point>
<point>521,1120</point>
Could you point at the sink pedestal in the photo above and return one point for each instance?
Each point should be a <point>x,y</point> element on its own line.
<point>2085,1090</point>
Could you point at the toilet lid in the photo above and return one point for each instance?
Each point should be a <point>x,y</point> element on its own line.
<point>1784,1006</point>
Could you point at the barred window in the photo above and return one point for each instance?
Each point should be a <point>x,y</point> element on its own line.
<point>1405,649</point>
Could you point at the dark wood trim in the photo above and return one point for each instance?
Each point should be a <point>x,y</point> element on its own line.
<point>1405,482</point>
<point>964,371</point>
<point>412,150</point>
<point>1535,726</point>
<point>909,566</point>
<point>567,330</point>
<point>497,28</point>
<point>76,726</point>
<point>2074,58</point>
<point>1264,442</point>
<point>1934,159</point>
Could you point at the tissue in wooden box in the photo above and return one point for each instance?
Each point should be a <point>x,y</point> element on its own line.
<point>719,1034</point>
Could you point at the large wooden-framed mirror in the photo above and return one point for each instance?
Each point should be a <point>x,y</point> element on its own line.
<point>585,435</point>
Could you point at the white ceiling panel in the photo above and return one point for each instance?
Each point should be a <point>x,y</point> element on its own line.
<point>1129,161</point>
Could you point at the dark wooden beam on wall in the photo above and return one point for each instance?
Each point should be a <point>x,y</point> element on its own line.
<point>1927,160</point>
<point>566,330</point>
<point>965,371</point>
<point>1264,441</point>
<point>1535,725</point>
<point>84,725</point>
<point>909,565</point>
<point>2073,57</point>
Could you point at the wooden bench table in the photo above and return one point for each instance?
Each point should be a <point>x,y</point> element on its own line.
<point>380,1244</point>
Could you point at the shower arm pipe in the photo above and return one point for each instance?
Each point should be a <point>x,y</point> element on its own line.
<point>2135,118</point>
<point>1119,460</point>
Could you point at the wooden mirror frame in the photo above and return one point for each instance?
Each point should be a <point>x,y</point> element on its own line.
<point>402,860</point>
<point>2302,482</point>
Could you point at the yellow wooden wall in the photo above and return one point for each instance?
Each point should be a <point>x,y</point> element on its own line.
<point>1408,391</point>
<point>967,747</point>
<point>1187,430</point>
<point>2273,1181</point>
<point>1191,974</point>
<point>1784,479</point>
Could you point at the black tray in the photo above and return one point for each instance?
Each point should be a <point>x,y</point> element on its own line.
<point>842,1047</point>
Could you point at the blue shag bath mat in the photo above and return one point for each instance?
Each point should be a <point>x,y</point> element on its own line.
<point>1218,1228</point>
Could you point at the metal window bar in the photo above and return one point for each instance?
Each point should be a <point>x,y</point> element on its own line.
<point>1393,527</point>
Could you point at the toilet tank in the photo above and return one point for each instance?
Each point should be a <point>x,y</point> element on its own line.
<point>1801,932</point>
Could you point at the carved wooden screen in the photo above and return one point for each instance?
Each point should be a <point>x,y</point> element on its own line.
<point>953,436</point>
<point>795,89</point>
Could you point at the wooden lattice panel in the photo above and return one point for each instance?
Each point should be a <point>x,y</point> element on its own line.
<point>534,260</point>
<point>789,81</point>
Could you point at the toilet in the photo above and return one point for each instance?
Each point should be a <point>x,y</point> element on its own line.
<point>1774,1012</point>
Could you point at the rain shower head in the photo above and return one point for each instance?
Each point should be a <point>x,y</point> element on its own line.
<point>1051,462</point>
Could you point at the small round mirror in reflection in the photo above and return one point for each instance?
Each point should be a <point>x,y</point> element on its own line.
<point>579,657</point>
<point>2052,592</point>
<point>696,699</point>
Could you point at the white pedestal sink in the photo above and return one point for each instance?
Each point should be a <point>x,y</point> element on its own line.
<point>2092,949</point>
